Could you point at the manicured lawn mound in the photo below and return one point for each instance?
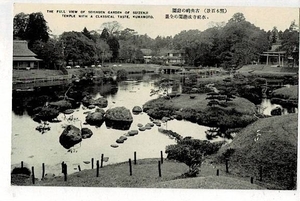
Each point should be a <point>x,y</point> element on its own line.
<point>270,143</point>
<point>239,112</point>
<point>210,182</point>
<point>286,96</point>
<point>286,92</point>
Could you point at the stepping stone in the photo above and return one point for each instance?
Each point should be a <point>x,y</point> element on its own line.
<point>147,126</point>
<point>151,124</point>
<point>114,145</point>
<point>119,141</point>
<point>142,128</point>
<point>140,125</point>
<point>91,106</point>
<point>123,138</point>
<point>133,132</point>
<point>68,111</point>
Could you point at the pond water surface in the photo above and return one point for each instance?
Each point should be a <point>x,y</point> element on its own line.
<point>35,148</point>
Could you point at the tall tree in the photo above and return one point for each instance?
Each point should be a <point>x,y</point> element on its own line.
<point>114,47</point>
<point>290,42</point>
<point>103,51</point>
<point>78,48</point>
<point>113,27</point>
<point>36,29</point>
<point>20,23</point>
<point>86,33</point>
<point>49,52</point>
<point>275,35</point>
<point>237,17</point>
<point>104,34</point>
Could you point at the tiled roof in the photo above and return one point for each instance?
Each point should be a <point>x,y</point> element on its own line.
<point>20,49</point>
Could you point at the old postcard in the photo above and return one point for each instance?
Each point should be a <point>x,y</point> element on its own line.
<point>155,96</point>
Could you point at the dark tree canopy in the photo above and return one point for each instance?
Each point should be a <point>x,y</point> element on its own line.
<point>228,45</point>
<point>19,25</point>
<point>104,35</point>
<point>32,27</point>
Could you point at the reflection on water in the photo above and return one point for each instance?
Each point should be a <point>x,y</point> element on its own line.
<point>34,148</point>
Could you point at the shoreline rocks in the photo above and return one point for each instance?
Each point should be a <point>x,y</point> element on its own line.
<point>118,118</point>
<point>61,105</point>
<point>86,133</point>
<point>70,136</point>
<point>95,118</point>
<point>87,101</point>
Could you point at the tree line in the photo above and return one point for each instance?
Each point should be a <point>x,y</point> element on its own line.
<point>231,44</point>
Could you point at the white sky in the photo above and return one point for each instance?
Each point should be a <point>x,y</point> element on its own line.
<point>263,17</point>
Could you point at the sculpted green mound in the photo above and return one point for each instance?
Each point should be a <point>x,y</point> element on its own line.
<point>270,143</point>
<point>239,112</point>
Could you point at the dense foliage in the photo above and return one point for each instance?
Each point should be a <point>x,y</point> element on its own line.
<point>229,45</point>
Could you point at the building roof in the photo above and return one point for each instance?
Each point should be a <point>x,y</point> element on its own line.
<point>26,59</point>
<point>20,49</point>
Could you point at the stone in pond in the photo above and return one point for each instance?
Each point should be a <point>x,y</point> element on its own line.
<point>91,106</point>
<point>136,110</point>
<point>70,136</point>
<point>68,111</point>
<point>147,126</point>
<point>114,145</point>
<point>133,132</point>
<point>151,124</point>
<point>118,118</point>
<point>86,133</point>
<point>140,125</point>
<point>123,138</point>
<point>142,128</point>
<point>119,141</point>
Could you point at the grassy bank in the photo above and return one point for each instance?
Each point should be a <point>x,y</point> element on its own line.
<point>270,143</point>
<point>286,92</point>
<point>238,113</point>
<point>286,96</point>
<point>145,175</point>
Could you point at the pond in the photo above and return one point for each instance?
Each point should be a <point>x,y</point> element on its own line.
<point>35,148</point>
<point>266,107</point>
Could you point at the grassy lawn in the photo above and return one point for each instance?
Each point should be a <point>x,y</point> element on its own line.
<point>34,73</point>
<point>145,175</point>
<point>287,92</point>
<point>210,182</point>
<point>267,70</point>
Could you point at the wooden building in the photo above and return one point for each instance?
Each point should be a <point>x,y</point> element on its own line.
<point>24,58</point>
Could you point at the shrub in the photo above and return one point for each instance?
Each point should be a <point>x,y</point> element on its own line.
<point>191,152</point>
<point>21,170</point>
<point>122,74</point>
